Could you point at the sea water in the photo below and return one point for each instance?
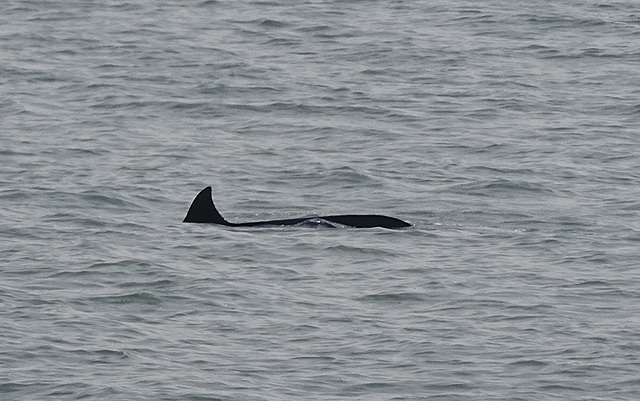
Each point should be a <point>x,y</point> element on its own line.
<point>506,132</point>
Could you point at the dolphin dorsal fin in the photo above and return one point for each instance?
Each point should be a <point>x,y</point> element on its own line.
<point>203,210</point>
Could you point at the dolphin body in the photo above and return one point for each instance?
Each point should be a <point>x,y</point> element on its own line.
<point>203,210</point>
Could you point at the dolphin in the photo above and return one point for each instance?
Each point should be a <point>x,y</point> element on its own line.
<point>203,210</point>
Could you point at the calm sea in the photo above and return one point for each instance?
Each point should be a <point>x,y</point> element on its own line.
<point>507,133</point>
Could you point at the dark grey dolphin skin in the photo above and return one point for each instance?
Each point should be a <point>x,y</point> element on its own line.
<point>203,210</point>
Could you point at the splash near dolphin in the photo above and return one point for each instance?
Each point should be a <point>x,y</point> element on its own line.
<point>203,210</point>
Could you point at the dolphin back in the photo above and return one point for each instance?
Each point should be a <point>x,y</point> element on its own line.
<point>203,210</point>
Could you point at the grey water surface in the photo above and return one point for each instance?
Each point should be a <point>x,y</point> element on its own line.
<point>506,132</point>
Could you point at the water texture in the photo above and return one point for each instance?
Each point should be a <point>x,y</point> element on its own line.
<point>506,132</point>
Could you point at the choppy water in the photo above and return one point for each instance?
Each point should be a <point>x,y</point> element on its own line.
<point>506,132</point>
